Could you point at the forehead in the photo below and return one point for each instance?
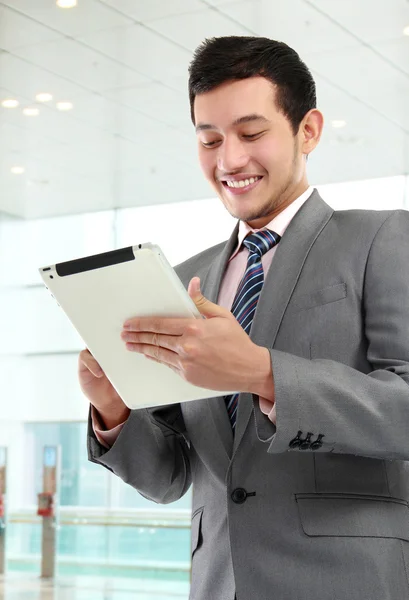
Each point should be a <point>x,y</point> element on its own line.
<point>233,99</point>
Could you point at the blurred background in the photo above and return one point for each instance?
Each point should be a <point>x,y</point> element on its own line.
<point>97,152</point>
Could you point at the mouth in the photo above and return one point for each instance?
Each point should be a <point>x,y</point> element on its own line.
<point>241,186</point>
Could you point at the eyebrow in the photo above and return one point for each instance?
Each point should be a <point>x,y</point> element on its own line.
<point>239,121</point>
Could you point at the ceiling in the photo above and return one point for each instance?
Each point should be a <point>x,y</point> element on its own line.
<point>128,140</point>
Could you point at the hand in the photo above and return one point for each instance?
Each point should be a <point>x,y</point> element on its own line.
<point>100,392</point>
<point>214,352</point>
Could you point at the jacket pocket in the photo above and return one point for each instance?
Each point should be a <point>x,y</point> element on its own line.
<point>349,515</point>
<point>196,530</point>
<point>332,293</point>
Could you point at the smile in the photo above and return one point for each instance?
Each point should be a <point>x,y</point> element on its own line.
<point>241,186</point>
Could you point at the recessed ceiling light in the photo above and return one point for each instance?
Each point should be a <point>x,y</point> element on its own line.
<point>17,170</point>
<point>30,112</point>
<point>44,97</point>
<point>337,124</point>
<point>66,3</point>
<point>64,105</point>
<point>10,103</point>
<point>406,30</point>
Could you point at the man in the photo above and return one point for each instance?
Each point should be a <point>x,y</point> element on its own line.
<point>300,485</point>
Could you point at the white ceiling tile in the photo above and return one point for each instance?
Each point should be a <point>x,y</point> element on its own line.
<point>167,182</point>
<point>397,51</point>
<point>27,80</point>
<point>217,3</point>
<point>370,21</point>
<point>359,71</point>
<point>154,9</point>
<point>309,32</point>
<point>81,65</point>
<point>191,29</point>
<point>161,137</point>
<point>6,94</point>
<point>129,141</point>
<point>361,138</point>
<point>141,49</point>
<point>17,30</point>
<point>87,16</point>
<point>66,193</point>
<point>157,100</point>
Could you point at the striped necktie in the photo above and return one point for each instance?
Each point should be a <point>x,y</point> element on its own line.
<point>247,295</point>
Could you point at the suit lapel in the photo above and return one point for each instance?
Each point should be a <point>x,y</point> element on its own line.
<point>214,415</point>
<point>282,277</point>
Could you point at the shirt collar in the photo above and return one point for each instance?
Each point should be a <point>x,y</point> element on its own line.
<point>279,224</point>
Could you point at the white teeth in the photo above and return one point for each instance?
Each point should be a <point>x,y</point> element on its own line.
<point>242,183</point>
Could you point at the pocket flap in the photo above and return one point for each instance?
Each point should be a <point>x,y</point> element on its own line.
<point>196,529</point>
<point>347,515</point>
<point>326,295</point>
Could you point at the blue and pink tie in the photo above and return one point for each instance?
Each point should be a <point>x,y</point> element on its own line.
<point>249,290</point>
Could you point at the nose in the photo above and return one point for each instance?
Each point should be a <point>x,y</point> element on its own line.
<point>231,155</point>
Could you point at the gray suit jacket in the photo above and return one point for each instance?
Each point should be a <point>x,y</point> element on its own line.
<point>271,520</point>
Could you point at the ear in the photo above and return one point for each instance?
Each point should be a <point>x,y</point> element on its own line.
<point>310,130</point>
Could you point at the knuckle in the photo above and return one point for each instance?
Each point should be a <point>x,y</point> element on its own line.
<point>189,349</point>
<point>193,329</point>
<point>154,324</point>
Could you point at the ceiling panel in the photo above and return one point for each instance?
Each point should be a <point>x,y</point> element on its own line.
<point>128,140</point>
<point>361,142</point>
<point>88,15</point>
<point>191,29</point>
<point>217,3</point>
<point>154,9</point>
<point>21,77</point>
<point>141,49</point>
<point>359,71</point>
<point>65,191</point>
<point>157,100</point>
<point>17,30</point>
<point>81,65</point>
<point>309,32</point>
<point>370,21</point>
<point>396,51</point>
<point>168,182</point>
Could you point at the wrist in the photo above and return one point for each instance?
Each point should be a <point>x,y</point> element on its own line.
<point>113,416</point>
<point>262,380</point>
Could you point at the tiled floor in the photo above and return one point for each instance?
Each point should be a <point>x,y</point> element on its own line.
<point>18,587</point>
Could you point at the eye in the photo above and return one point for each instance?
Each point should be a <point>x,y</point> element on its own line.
<point>210,144</point>
<point>252,136</point>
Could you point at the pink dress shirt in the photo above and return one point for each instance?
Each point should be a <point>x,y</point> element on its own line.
<point>232,277</point>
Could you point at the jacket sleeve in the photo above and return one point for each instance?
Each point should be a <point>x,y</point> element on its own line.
<point>151,453</point>
<point>357,413</point>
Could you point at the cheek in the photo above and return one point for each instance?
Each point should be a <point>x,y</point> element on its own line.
<point>207,161</point>
<point>274,155</point>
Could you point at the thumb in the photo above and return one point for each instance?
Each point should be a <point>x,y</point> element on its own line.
<point>206,308</point>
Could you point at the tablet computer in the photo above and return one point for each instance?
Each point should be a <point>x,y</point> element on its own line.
<point>99,293</point>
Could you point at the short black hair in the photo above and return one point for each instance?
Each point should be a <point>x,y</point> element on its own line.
<point>221,59</point>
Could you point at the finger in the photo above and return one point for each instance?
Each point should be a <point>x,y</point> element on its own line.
<point>165,325</point>
<point>161,355</point>
<point>170,342</point>
<point>175,369</point>
<point>206,308</point>
<point>88,363</point>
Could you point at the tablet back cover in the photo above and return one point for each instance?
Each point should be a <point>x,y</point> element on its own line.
<point>99,300</point>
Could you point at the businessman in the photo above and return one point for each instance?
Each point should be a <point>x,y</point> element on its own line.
<point>301,481</point>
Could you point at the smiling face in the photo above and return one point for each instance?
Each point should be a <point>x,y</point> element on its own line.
<point>248,150</point>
